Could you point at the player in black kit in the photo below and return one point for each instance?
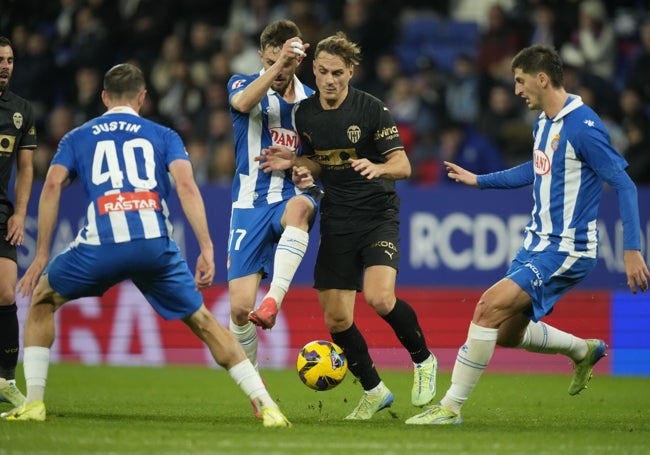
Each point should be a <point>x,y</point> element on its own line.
<point>354,140</point>
<point>17,145</point>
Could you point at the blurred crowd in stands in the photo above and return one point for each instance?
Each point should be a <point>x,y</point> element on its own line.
<point>443,68</point>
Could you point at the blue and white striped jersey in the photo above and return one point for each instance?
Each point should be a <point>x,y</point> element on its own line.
<point>269,123</point>
<point>572,157</point>
<point>122,161</point>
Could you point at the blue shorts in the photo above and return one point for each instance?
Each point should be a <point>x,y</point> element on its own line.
<point>546,276</point>
<point>253,236</point>
<point>155,266</point>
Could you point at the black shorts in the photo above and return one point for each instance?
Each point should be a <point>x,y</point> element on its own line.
<point>7,250</point>
<point>342,258</point>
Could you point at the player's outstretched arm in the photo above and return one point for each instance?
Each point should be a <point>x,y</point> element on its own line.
<point>48,211</point>
<point>460,175</point>
<point>276,158</point>
<point>396,167</point>
<point>194,209</point>
<point>302,177</point>
<point>636,270</point>
<point>293,49</point>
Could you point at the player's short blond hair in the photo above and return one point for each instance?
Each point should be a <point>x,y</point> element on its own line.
<point>339,45</point>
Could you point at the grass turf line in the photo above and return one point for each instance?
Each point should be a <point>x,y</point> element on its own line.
<point>194,410</point>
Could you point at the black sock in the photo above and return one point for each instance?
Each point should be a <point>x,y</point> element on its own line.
<point>8,341</point>
<point>405,324</point>
<point>359,362</point>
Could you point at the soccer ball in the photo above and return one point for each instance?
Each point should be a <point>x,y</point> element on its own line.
<point>321,365</point>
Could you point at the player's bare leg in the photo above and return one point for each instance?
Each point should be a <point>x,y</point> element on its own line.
<point>229,354</point>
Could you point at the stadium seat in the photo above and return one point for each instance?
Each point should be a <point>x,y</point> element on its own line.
<point>462,33</point>
<point>421,30</point>
<point>441,40</point>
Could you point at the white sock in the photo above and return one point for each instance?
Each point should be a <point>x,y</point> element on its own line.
<point>247,337</point>
<point>545,339</point>
<point>473,357</point>
<point>36,360</point>
<point>376,390</point>
<point>288,255</point>
<point>249,380</point>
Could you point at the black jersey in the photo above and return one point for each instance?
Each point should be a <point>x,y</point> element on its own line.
<point>17,131</point>
<point>361,127</point>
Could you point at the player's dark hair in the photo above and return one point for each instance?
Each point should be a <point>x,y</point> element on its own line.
<point>4,41</point>
<point>277,32</point>
<point>339,45</point>
<point>124,81</point>
<point>540,59</point>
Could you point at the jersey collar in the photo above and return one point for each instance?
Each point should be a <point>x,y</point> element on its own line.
<point>122,110</point>
<point>298,88</point>
<point>572,103</point>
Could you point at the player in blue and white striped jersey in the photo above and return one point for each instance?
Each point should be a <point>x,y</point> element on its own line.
<point>267,206</point>
<point>572,159</point>
<point>124,162</point>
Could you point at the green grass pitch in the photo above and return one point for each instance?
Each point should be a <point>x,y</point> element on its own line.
<point>192,410</point>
